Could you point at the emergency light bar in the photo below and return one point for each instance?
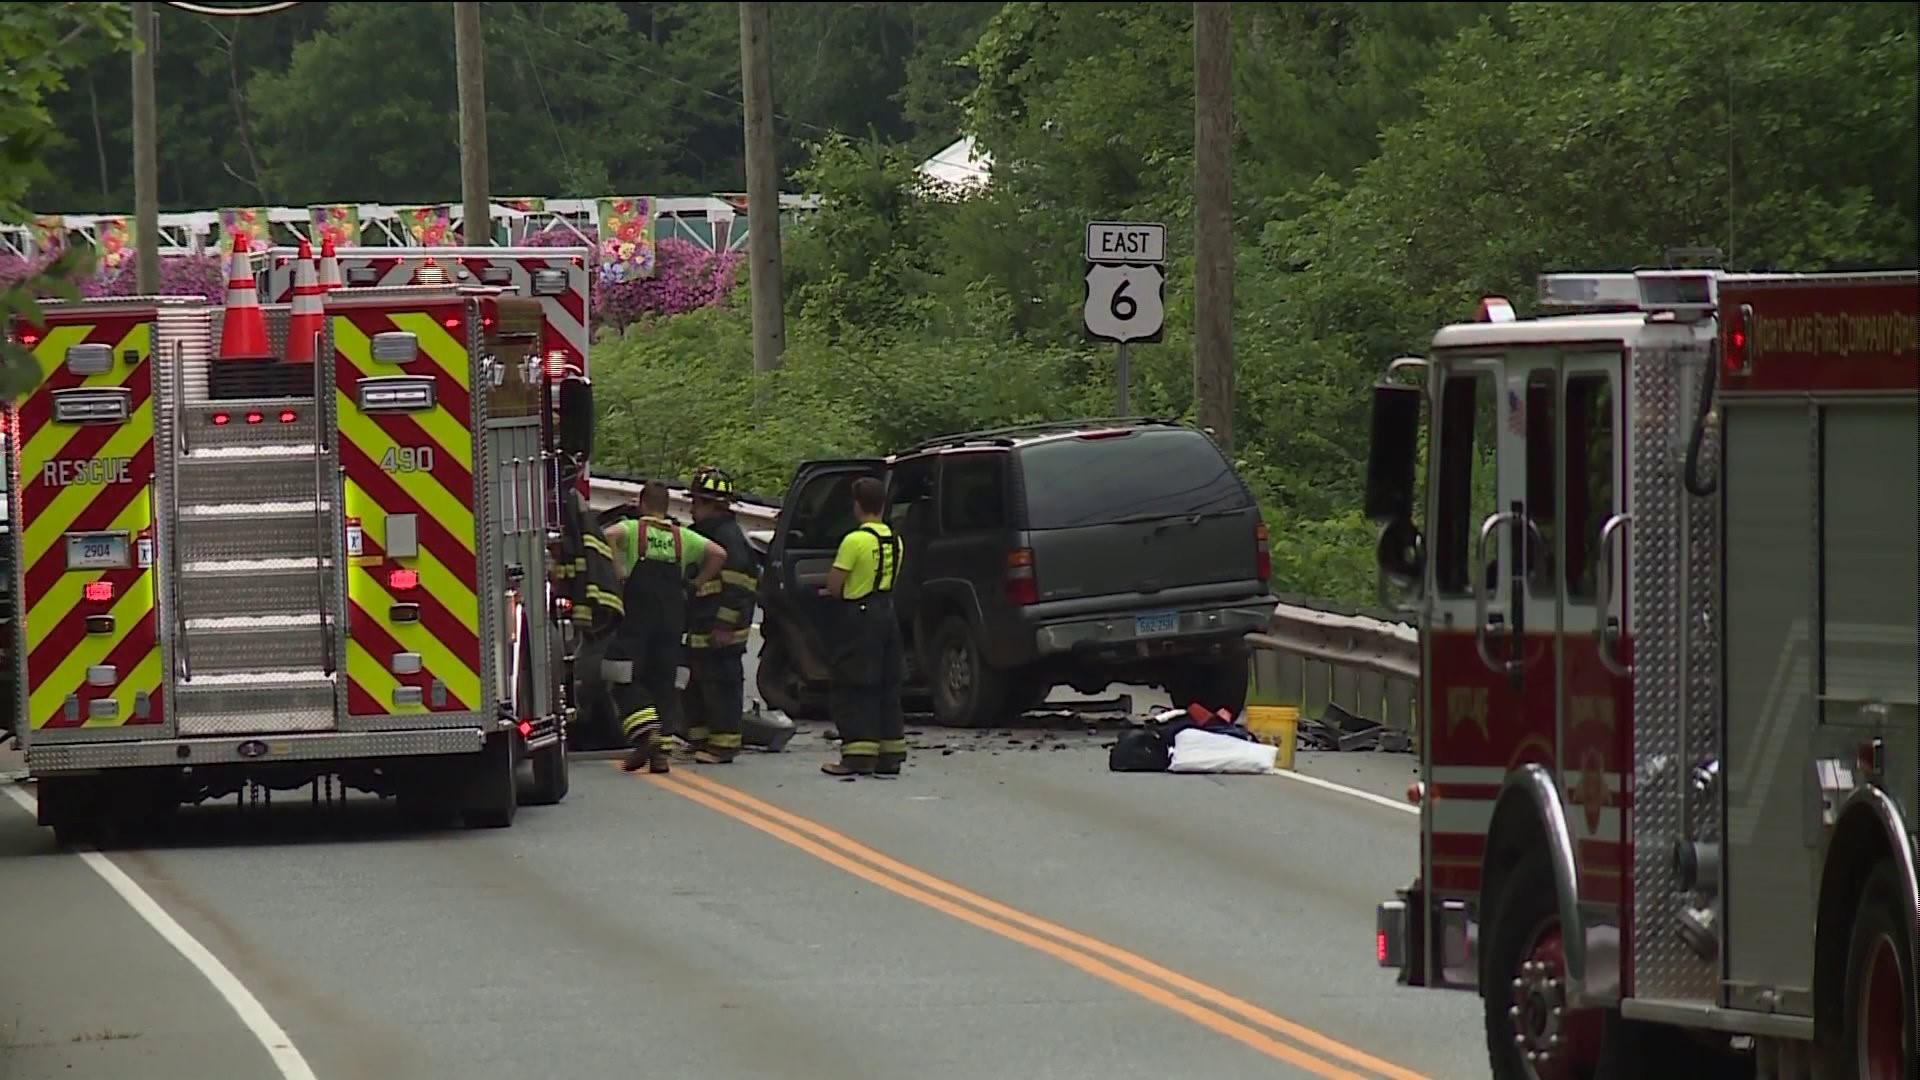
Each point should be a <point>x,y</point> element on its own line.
<point>549,282</point>
<point>1589,290</point>
<point>1679,290</point>
<point>395,393</point>
<point>1645,290</point>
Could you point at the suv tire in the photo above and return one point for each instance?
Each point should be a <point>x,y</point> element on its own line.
<point>967,692</point>
<point>1216,684</point>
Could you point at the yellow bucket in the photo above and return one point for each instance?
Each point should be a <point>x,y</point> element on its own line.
<point>1275,725</point>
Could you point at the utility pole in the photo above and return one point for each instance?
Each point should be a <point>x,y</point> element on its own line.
<point>1213,219</point>
<point>470,60</point>
<point>146,155</point>
<point>763,186</point>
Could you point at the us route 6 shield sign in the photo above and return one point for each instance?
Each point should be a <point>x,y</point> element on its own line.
<point>1125,303</point>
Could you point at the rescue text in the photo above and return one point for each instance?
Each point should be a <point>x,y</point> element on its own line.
<point>62,472</point>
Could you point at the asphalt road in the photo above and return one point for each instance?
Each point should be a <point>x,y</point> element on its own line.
<point>1007,908</point>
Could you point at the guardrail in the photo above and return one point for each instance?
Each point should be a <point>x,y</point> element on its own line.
<point>1313,653</point>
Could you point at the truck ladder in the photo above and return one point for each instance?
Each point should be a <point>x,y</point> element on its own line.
<point>255,563</point>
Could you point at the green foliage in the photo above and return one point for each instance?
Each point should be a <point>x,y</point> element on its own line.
<point>330,102</point>
<point>38,45</point>
<point>1393,163</point>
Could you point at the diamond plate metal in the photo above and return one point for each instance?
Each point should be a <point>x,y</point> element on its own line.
<point>248,587</point>
<point>1664,564</point>
<point>257,643</point>
<point>45,760</point>
<point>266,478</point>
<point>247,531</point>
<point>491,542</point>
<point>255,702</point>
<point>204,435</point>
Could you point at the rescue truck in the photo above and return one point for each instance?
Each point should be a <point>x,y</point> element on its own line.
<point>559,278</point>
<point>1666,597</point>
<point>261,548</point>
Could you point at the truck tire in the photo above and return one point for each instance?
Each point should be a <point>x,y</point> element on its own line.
<point>1876,1037</point>
<point>967,691</point>
<point>1522,939</point>
<point>494,788</point>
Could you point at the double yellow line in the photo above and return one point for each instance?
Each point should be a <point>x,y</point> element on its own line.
<point>1210,1007</point>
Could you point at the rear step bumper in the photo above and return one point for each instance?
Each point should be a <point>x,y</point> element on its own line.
<point>47,758</point>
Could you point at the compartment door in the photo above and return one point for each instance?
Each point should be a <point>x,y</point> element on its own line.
<point>403,382</point>
<point>83,451</point>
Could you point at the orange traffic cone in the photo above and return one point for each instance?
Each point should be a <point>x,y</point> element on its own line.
<point>243,330</point>
<point>309,318</point>
<point>329,266</point>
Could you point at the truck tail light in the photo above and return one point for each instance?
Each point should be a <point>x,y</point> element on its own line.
<point>1262,553</point>
<point>1733,350</point>
<point>1022,587</point>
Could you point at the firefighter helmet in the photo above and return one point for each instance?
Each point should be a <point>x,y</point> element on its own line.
<point>713,483</point>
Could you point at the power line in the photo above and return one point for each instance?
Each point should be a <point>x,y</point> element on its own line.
<point>233,13</point>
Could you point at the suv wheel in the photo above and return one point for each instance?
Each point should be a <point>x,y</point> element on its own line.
<point>966,691</point>
<point>1216,684</point>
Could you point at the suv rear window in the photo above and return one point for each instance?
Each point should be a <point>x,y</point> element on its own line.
<point>1146,474</point>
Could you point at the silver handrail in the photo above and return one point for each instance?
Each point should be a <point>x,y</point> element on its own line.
<point>174,541</point>
<point>512,522</point>
<point>320,530</point>
<point>1609,632</point>
<point>1494,521</point>
<point>536,500</point>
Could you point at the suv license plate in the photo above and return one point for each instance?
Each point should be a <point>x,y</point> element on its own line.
<point>1160,622</point>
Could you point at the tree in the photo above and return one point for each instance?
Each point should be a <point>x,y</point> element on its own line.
<point>37,45</point>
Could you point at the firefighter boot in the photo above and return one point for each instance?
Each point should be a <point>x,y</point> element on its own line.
<point>646,747</point>
<point>893,755</point>
<point>651,753</point>
<point>856,759</point>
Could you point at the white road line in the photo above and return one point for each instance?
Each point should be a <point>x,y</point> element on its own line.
<point>1377,800</point>
<point>272,1037</point>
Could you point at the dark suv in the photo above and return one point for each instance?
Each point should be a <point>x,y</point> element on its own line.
<point>1081,553</point>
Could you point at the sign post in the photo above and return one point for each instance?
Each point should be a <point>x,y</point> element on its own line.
<point>1126,289</point>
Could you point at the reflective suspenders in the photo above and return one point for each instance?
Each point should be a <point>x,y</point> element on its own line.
<point>882,544</point>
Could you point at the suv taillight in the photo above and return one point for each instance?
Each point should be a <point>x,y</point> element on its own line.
<point>1022,588</point>
<point>1262,553</point>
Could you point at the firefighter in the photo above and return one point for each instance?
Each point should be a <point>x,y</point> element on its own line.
<point>868,662</point>
<point>588,578</point>
<point>645,653</point>
<point>718,618</point>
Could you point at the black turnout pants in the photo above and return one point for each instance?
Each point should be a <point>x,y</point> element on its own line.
<point>868,669</point>
<point>647,702</point>
<point>715,697</point>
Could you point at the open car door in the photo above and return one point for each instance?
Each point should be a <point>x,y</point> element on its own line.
<point>816,514</point>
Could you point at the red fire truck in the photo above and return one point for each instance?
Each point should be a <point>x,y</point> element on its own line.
<point>1666,587</point>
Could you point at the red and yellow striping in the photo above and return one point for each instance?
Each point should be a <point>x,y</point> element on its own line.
<point>418,463</point>
<point>87,478</point>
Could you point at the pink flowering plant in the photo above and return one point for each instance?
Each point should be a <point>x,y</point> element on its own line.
<point>686,277</point>
<point>180,275</point>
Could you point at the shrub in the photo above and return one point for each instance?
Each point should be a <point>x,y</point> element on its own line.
<point>180,275</point>
<point>686,277</point>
